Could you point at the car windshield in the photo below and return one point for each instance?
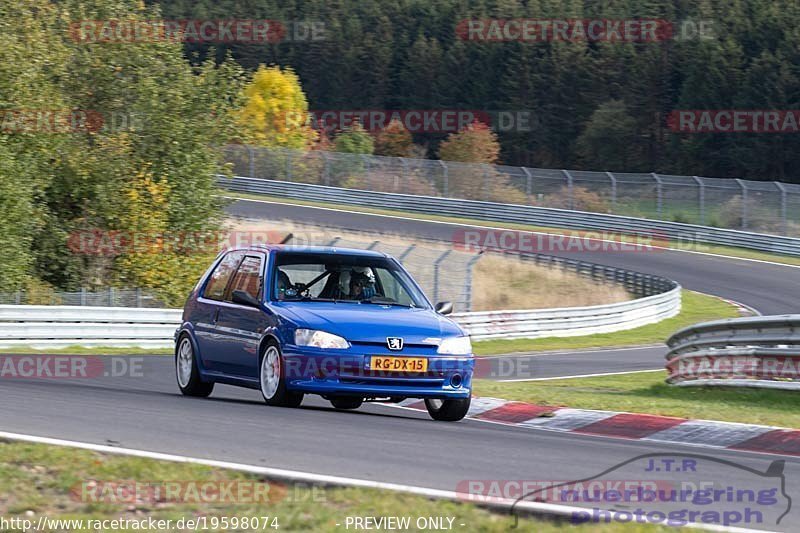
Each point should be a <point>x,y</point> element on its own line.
<point>344,278</point>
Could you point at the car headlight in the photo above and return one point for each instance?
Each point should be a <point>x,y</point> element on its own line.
<point>319,339</point>
<point>455,346</point>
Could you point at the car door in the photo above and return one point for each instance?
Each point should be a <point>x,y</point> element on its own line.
<point>204,318</point>
<point>241,326</point>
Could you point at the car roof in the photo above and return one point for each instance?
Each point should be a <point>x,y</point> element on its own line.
<point>327,250</point>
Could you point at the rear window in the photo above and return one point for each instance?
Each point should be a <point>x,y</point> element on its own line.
<point>218,281</point>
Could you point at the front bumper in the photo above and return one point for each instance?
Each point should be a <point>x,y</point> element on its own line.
<point>348,373</point>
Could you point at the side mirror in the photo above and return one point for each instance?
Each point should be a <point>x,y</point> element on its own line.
<point>444,308</point>
<point>244,298</point>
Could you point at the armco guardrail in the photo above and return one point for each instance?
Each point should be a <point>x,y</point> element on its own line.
<point>573,321</point>
<point>59,326</point>
<point>761,351</point>
<point>515,213</point>
<point>44,326</point>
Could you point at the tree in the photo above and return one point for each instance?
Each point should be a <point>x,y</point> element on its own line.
<point>275,111</point>
<point>394,140</point>
<point>474,144</point>
<point>149,170</point>
<point>354,140</point>
<point>609,141</point>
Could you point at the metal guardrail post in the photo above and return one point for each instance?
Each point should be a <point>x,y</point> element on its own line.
<point>373,245</point>
<point>744,202</point>
<point>445,178</point>
<point>326,173</point>
<point>701,198</point>
<point>528,183</point>
<point>436,274</point>
<point>138,297</point>
<point>252,159</point>
<point>571,200</point>
<point>334,241</point>
<point>784,221</point>
<point>18,297</point>
<point>83,295</point>
<point>468,281</point>
<point>659,194</point>
<point>402,257</point>
<point>613,179</point>
<point>111,296</point>
<point>405,173</point>
<point>289,165</point>
<point>367,177</point>
<point>486,182</point>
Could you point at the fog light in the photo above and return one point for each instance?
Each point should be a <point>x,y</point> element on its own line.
<point>455,381</point>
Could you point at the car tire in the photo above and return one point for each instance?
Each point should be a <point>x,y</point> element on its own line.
<point>272,379</point>
<point>186,372</point>
<point>448,410</point>
<point>346,402</point>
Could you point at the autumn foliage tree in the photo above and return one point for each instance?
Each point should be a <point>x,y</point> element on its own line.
<point>477,144</point>
<point>474,144</point>
<point>275,111</point>
<point>394,140</point>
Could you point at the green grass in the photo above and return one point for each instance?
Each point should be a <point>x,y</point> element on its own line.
<point>713,249</point>
<point>87,350</point>
<point>37,480</point>
<point>695,307</point>
<point>646,392</point>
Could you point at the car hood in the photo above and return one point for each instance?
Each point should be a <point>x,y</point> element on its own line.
<point>370,322</point>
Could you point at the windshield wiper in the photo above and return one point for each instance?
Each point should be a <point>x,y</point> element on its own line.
<point>379,301</point>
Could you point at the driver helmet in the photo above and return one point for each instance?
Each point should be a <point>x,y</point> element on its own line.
<point>283,283</point>
<point>362,283</point>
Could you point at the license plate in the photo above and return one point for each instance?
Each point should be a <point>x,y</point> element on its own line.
<point>399,364</point>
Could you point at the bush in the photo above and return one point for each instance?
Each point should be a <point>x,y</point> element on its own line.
<point>583,199</point>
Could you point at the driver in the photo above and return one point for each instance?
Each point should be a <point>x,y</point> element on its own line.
<point>362,283</point>
<point>283,283</point>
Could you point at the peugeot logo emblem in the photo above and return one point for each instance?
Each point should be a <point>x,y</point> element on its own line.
<point>394,343</point>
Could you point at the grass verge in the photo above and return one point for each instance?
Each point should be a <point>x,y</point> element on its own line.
<point>646,392</point>
<point>730,251</point>
<point>695,307</point>
<point>39,480</point>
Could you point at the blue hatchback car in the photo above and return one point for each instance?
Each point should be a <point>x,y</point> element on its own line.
<point>348,325</point>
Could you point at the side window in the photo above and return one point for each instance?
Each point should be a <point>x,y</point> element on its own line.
<point>215,288</point>
<point>248,277</point>
<point>392,288</point>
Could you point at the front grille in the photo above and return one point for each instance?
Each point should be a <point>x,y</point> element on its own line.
<point>428,348</point>
<point>393,381</point>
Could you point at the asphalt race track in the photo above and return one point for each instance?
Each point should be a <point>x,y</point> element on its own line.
<point>376,442</point>
<point>391,444</point>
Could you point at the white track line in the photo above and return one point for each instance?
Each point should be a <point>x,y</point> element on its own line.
<point>582,351</point>
<point>549,509</point>
<point>500,228</point>
<point>583,375</point>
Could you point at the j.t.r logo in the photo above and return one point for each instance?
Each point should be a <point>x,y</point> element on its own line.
<point>394,343</point>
